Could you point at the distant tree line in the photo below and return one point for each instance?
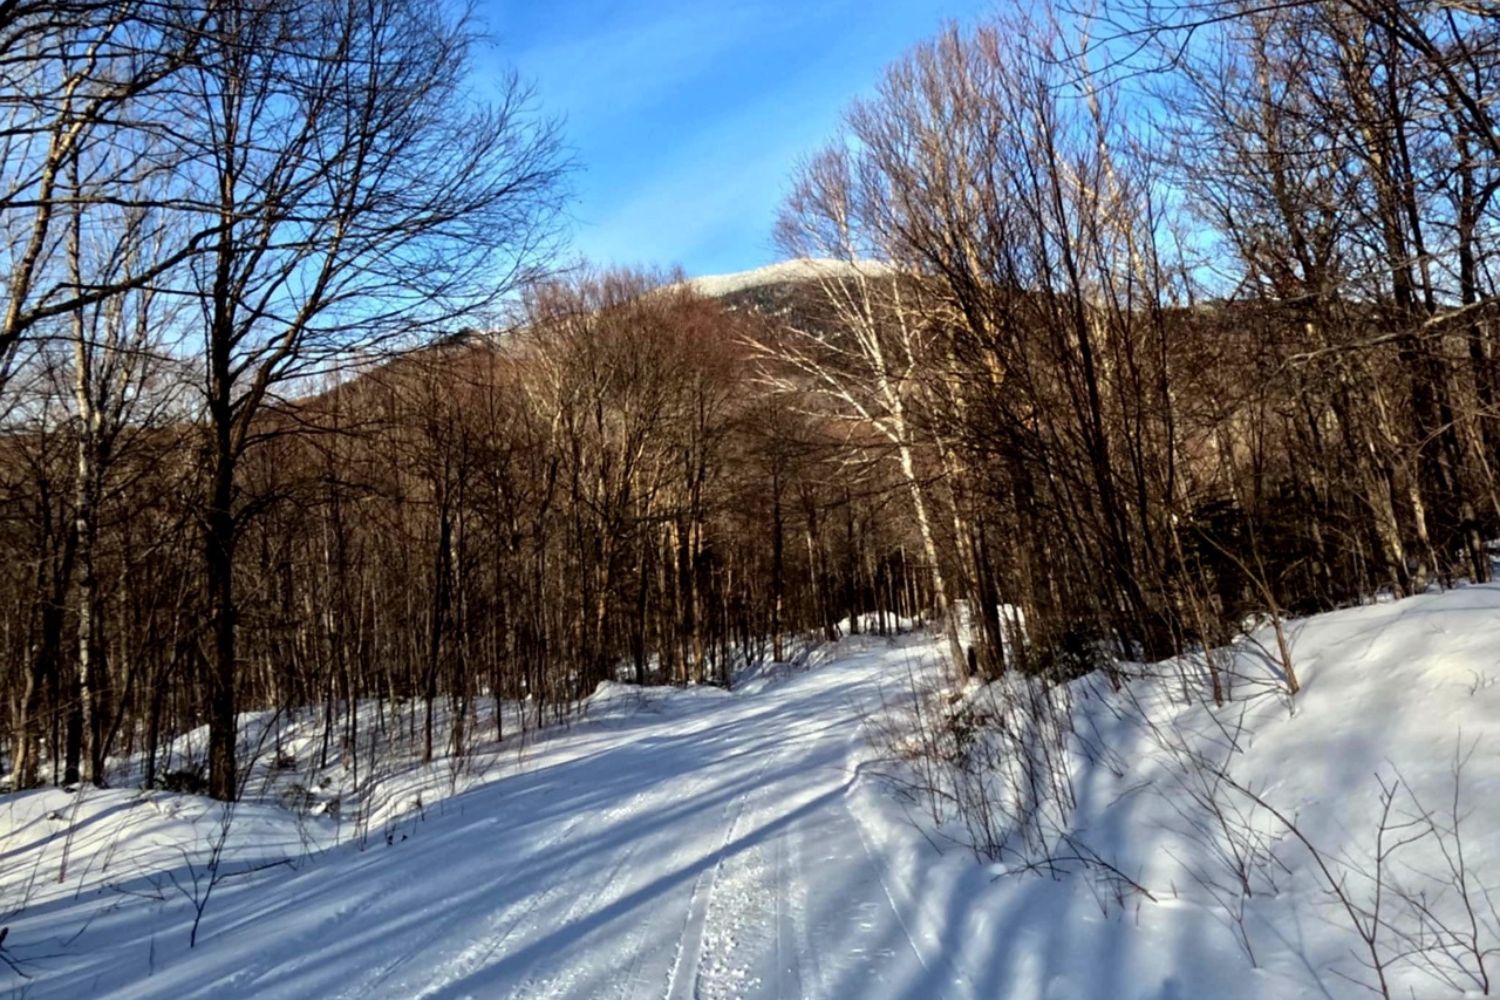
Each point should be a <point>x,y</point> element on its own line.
<point>1121,340</point>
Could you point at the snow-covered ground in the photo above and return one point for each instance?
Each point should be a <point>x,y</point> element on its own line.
<point>703,843</point>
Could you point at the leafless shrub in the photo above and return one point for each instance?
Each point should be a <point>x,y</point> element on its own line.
<point>1442,923</point>
<point>201,876</point>
<point>989,767</point>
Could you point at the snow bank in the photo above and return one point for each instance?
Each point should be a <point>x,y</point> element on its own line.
<point>1221,834</point>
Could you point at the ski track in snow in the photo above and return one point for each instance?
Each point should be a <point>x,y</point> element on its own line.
<point>700,968</point>
<point>705,851</point>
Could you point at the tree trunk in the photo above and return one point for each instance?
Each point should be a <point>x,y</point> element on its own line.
<point>221,539</point>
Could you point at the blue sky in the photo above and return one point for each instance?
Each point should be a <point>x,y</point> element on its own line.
<point>687,117</point>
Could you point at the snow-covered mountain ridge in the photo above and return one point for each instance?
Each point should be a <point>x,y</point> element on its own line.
<point>800,270</point>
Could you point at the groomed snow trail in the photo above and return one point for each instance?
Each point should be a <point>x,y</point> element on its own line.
<point>698,845</point>
<point>701,846</point>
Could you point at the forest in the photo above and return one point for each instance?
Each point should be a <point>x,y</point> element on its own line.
<point>1112,335</point>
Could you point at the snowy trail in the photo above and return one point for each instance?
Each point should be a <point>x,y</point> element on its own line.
<point>703,845</point>
<point>699,848</point>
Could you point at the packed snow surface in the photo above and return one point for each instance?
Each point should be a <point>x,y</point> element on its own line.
<point>708,844</point>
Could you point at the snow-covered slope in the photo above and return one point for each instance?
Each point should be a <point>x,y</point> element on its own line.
<point>802,269</point>
<point>1243,826</point>
<point>709,844</point>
